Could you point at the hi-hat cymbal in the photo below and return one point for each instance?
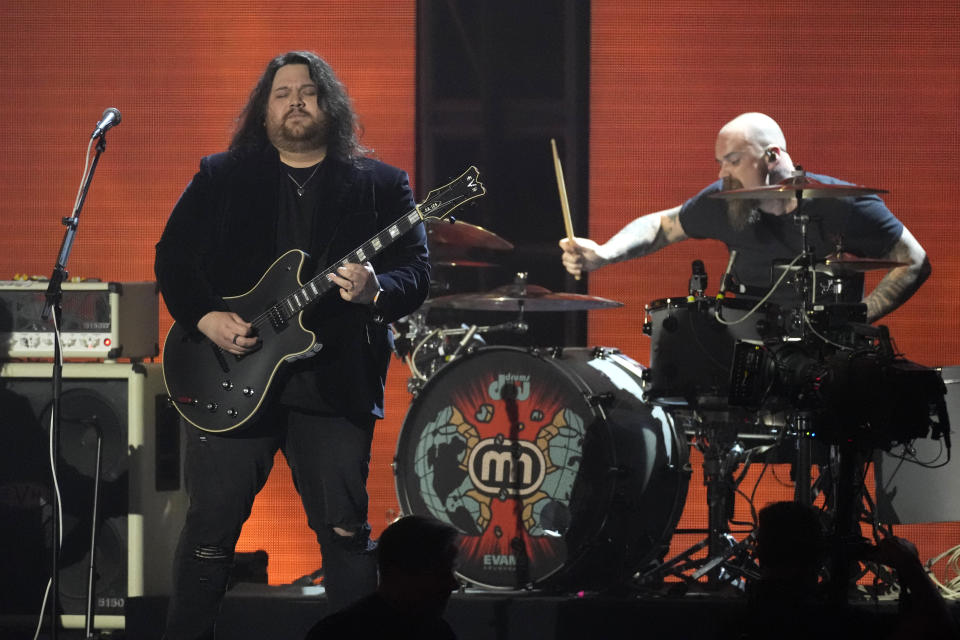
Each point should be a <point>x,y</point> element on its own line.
<point>454,262</point>
<point>842,263</point>
<point>803,185</point>
<point>847,262</point>
<point>462,234</point>
<point>529,297</point>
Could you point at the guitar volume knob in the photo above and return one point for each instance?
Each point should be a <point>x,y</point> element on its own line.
<point>226,385</point>
<point>248,391</point>
<point>212,407</point>
<point>232,413</point>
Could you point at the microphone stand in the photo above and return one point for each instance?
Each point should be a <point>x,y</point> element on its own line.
<point>54,302</point>
<point>92,566</point>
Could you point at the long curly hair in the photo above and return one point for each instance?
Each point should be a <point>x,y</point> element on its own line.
<point>343,132</point>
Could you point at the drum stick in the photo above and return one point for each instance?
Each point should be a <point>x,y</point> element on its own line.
<point>561,185</point>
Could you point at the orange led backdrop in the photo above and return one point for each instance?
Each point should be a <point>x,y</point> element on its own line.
<point>865,91</point>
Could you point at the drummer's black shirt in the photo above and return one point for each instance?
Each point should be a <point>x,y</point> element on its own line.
<point>862,226</point>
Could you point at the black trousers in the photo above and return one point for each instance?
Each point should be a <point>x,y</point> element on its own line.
<point>329,457</point>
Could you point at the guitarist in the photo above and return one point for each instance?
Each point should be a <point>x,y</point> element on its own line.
<point>293,177</point>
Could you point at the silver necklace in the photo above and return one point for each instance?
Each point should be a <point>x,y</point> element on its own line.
<point>301,186</point>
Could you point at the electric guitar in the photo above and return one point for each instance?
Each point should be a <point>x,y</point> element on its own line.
<point>217,391</point>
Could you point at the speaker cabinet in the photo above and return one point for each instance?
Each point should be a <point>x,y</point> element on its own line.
<point>142,503</point>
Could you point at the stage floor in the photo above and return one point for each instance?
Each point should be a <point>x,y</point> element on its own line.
<point>257,611</point>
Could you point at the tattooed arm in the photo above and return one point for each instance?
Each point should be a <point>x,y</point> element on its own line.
<point>643,236</point>
<point>901,282</point>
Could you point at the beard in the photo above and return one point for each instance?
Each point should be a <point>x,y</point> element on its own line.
<point>740,213</point>
<point>308,134</point>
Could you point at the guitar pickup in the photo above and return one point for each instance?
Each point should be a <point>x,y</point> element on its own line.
<point>277,319</point>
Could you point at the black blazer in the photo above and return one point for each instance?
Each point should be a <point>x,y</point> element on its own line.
<point>220,239</point>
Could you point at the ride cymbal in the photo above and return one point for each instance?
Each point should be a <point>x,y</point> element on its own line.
<point>529,297</point>
<point>801,185</point>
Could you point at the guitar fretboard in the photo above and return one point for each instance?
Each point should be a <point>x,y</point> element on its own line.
<point>319,285</point>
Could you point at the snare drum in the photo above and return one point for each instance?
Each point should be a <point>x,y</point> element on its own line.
<point>691,350</point>
<point>549,463</point>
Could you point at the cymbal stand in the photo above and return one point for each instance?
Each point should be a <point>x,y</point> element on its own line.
<point>847,491</point>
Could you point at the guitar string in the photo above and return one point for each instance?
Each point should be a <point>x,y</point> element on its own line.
<point>259,320</point>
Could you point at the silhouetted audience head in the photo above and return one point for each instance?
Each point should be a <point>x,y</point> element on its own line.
<point>790,543</point>
<point>417,558</point>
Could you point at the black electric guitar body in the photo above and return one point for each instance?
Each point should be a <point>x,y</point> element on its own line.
<point>217,391</point>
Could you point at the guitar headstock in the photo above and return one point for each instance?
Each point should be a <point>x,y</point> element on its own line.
<point>442,200</point>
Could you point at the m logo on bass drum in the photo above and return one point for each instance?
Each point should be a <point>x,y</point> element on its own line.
<point>496,469</point>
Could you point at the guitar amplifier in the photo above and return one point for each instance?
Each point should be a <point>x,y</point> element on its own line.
<point>101,320</point>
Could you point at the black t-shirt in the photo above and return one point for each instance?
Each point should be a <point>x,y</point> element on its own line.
<point>300,208</point>
<point>862,226</point>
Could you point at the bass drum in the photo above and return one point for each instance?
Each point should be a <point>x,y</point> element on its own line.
<point>549,463</point>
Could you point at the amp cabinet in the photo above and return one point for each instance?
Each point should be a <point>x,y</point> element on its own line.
<point>142,502</point>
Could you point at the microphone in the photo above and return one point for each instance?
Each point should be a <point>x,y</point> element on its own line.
<point>698,280</point>
<point>467,337</point>
<point>110,118</point>
<point>725,280</point>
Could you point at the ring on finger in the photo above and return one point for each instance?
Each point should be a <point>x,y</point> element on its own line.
<point>235,336</point>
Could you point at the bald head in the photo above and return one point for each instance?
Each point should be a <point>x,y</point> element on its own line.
<point>752,152</point>
<point>757,129</point>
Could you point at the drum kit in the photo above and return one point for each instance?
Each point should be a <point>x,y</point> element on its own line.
<point>567,468</point>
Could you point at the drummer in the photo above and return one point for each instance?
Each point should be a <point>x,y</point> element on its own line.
<point>752,152</point>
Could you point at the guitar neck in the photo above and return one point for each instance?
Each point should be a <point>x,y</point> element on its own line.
<point>320,284</point>
<point>438,204</point>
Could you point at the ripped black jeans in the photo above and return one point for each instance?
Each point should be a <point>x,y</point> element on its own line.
<point>329,457</point>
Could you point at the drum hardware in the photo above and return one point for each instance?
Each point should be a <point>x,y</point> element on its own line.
<point>424,363</point>
<point>727,561</point>
<point>856,396</point>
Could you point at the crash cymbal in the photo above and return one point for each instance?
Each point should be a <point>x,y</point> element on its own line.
<point>806,187</point>
<point>849,263</point>
<point>461,234</point>
<point>528,297</point>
